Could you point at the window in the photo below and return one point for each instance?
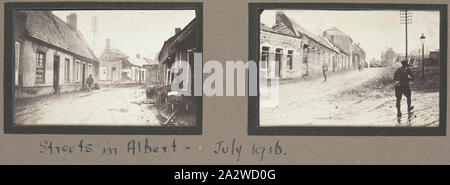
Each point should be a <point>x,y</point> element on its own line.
<point>90,69</point>
<point>305,56</point>
<point>168,77</point>
<point>16,61</point>
<point>289,59</point>
<point>264,57</point>
<point>136,75</point>
<point>103,73</point>
<point>77,70</point>
<point>40,67</point>
<point>67,71</point>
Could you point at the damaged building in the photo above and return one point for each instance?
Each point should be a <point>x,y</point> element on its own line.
<point>288,50</point>
<point>180,47</point>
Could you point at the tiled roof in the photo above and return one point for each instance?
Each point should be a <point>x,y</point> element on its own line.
<point>112,54</point>
<point>279,29</point>
<point>45,26</point>
<point>343,42</point>
<point>168,47</point>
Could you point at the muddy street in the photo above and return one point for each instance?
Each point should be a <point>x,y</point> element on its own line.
<point>109,106</point>
<point>319,103</point>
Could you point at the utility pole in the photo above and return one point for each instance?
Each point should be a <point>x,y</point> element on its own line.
<point>406,18</point>
<point>94,29</point>
<point>422,40</point>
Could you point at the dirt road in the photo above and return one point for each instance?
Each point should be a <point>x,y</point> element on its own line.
<point>318,103</point>
<point>112,106</point>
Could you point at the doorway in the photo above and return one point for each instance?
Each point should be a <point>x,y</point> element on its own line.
<point>56,74</point>
<point>83,76</point>
<point>278,55</point>
<point>113,75</point>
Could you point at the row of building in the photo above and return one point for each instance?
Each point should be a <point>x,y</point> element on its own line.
<point>389,58</point>
<point>52,56</point>
<point>288,50</point>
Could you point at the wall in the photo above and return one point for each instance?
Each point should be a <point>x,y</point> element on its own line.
<point>108,65</point>
<point>286,43</point>
<point>28,74</point>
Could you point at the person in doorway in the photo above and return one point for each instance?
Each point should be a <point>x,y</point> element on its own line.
<point>89,82</point>
<point>402,77</point>
<point>325,70</point>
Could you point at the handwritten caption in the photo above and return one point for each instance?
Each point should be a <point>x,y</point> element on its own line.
<point>232,148</point>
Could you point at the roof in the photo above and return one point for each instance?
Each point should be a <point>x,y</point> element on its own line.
<point>297,30</point>
<point>138,61</point>
<point>343,45</point>
<point>46,27</point>
<point>168,48</point>
<point>112,53</point>
<point>150,61</point>
<point>279,29</point>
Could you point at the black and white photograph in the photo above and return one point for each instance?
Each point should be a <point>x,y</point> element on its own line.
<point>350,68</point>
<point>102,67</point>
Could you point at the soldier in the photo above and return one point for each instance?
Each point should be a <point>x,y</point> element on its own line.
<point>90,81</point>
<point>325,70</point>
<point>401,75</point>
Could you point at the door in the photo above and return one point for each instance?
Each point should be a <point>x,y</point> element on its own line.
<point>113,75</point>
<point>56,74</point>
<point>277,69</point>
<point>83,76</point>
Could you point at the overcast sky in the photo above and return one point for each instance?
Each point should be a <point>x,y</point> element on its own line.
<point>131,31</point>
<point>374,30</point>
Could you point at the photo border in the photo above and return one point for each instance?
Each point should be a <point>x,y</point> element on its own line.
<point>9,98</point>
<point>254,11</point>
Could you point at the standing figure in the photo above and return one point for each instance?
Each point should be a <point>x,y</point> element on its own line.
<point>89,82</point>
<point>325,70</point>
<point>402,75</point>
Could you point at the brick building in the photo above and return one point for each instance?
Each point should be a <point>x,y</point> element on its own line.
<point>288,50</point>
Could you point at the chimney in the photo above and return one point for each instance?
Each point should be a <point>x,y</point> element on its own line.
<point>278,16</point>
<point>72,20</point>
<point>177,30</point>
<point>138,56</point>
<point>108,44</point>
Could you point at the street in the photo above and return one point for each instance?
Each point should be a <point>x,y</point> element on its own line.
<point>339,102</point>
<point>108,106</point>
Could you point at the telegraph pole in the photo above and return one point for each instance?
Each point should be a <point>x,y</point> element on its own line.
<point>406,18</point>
<point>94,29</point>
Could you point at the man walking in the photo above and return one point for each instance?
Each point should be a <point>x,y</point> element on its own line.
<point>402,75</point>
<point>324,69</point>
<point>90,81</point>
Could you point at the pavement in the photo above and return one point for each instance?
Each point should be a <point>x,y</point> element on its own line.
<point>319,103</point>
<point>104,107</point>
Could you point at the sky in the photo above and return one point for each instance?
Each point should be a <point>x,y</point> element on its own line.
<point>375,30</point>
<point>131,31</point>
